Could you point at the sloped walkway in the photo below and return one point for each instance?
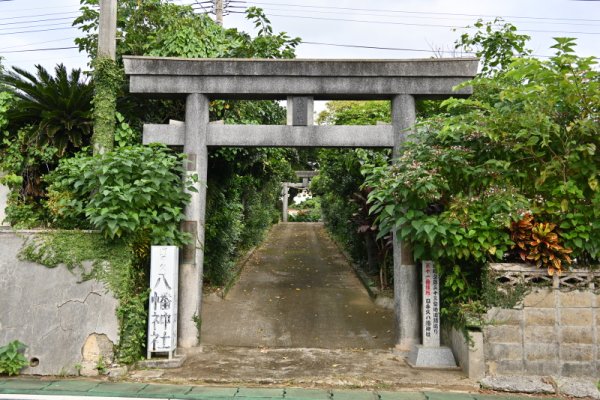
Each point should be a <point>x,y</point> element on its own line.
<point>299,316</point>
<point>297,291</point>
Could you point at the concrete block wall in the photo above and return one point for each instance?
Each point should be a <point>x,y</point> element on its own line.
<point>62,320</point>
<point>552,332</point>
<point>467,353</point>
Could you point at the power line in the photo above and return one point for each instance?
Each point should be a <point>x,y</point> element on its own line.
<point>37,15</point>
<point>46,49</point>
<point>382,48</point>
<point>32,26</point>
<point>414,24</point>
<point>37,8</point>
<point>36,20</point>
<point>418,12</point>
<point>396,48</point>
<point>36,43</point>
<point>38,30</point>
<point>383,14</point>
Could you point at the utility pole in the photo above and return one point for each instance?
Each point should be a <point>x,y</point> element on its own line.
<point>105,92</point>
<point>218,9</point>
<point>107,31</point>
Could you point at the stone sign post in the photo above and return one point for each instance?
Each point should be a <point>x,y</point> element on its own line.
<point>431,354</point>
<point>162,307</point>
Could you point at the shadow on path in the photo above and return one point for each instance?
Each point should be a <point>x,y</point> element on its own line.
<point>297,291</point>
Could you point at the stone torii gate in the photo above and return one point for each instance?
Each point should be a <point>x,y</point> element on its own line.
<point>300,82</point>
<point>306,177</point>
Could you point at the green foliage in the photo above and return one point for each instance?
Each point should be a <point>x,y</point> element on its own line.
<point>125,135</point>
<point>42,118</point>
<point>52,110</point>
<point>524,143</point>
<point>108,78</point>
<point>343,202</point>
<point>129,190</point>
<point>355,113</point>
<point>308,211</point>
<point>161,28</point>
<point>12,359</point>
<point>24,166</point>
<point>496,47</point>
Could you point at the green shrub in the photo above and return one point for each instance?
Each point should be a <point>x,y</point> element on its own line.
<point>12,359</point>
<point>129,190</point>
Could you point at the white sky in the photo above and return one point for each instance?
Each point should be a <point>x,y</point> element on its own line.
<point>399,24</point>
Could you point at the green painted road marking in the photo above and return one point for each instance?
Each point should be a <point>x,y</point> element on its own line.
<point>260,393</point>
<point>353,395</point>
<point>25,384</point>
<point>316,394</point>
<point>71,386</point>
<point>213,392</point>
<point>448,396</point>
<point>387,395</point>
<point>164,390</point>
<point>127,389</point>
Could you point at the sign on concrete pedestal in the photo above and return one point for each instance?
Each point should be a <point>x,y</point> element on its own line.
<point>430,354</point>
<point>162,308</point>
<point>431,305</point>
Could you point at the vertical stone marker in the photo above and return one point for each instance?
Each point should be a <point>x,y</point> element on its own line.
<point>430,354</point>
<point>431,305</point>
<point>162,308</point>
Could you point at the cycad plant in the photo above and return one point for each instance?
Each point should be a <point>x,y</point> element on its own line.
<point>54,110</point>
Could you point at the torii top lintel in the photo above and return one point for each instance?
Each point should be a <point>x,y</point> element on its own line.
<point>320,79</point>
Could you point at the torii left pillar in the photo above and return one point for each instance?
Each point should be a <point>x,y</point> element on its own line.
<point>191,268</point>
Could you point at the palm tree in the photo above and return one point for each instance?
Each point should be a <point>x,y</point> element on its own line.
<point>54,110</point>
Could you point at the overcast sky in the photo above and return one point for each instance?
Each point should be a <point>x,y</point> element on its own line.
<point>399,28</point>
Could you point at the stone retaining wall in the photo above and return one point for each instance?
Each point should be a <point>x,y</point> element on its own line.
<point>66,323</point>
<point>552,332</point>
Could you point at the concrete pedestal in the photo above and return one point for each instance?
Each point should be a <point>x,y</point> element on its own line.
<point>432,357</point>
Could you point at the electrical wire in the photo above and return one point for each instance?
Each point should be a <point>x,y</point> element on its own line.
<point>32,26</point>
<point>337,12</point>
<point>39,30</point>
<point>417,12</point>
<point>424,25</point>
<point>37,20</point>
<point>36,43</point>
<point>46,49</point>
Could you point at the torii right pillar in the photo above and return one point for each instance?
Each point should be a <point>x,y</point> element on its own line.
<point>406,283</point>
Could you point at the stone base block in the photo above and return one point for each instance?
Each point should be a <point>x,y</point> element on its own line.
<point>432,357</point>
<point>174,362</point>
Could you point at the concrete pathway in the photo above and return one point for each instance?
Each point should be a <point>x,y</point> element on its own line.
<point>298,316</point>
<point>297,290</point>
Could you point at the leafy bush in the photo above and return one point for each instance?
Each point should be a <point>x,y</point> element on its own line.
<point>131,189</point>
<point>12,359</point>
<point>307,211</point>
<point>524,144</point>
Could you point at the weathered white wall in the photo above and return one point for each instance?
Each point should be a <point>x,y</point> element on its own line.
<point>50,309</point>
